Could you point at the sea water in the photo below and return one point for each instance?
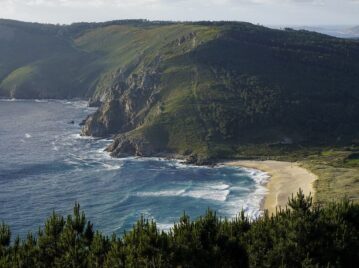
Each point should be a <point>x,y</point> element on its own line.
<point>45,166</point>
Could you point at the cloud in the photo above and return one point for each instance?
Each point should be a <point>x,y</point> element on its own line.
<point>257,11</point>
<point>140,3</point>
<point>81,2</point>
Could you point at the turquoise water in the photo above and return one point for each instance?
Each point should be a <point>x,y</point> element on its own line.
<point>45,165</point>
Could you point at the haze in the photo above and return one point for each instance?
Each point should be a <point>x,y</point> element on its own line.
<point>267,12</point>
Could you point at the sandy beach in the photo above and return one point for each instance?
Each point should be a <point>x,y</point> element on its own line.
<point>286,178</point>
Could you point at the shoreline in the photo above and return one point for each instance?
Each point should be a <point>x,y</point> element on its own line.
<point>285,178</point>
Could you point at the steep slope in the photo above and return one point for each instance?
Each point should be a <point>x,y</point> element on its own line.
<point>53,61</point>
<point>241,84</point>
<point>39,61</point>
<point>197,89</point>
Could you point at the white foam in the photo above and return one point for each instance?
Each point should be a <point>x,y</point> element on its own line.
<point>41,101</point>
<point>164,226</point>
<point>78,136</point>
<point>208,194</point>
<point>220,186</point>
<point>211,192</point>
<point>71,162</point>
<point>112,167</point>
<point>218,192</point>
<point>8,100</point>
<point>167,193</point>
<point>181,164</point>
<point>54,147</point>
<point>252,203</point>
<point>250,200</point>
<point>27,136</point>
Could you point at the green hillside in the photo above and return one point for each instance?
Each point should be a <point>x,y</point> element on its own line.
<point>210,88</point>
<point>200,89</point>
<point>37,62</point>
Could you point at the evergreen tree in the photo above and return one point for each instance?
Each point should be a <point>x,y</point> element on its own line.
<point>301,235</point>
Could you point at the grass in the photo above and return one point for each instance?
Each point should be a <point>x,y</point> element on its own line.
<point>334,182</point>
<point>131,48</point>
<point>338,174</point>
<point>221,90</point>
<point>18,76</point>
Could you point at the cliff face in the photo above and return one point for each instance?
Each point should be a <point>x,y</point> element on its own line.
<point>126,105</point>
<point>244,85</point>
<point>195,89</point>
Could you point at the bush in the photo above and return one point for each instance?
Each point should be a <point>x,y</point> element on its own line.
<point>302,235</point>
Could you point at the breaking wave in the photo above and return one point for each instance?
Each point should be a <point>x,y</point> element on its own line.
<point>60,166</point>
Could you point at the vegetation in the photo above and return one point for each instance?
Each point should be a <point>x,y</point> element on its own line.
<point>302,235</point>
<point>209,89</point>
<point>204,90</point>
<point>337,167</point>
<point>206,87</point>
<point>338,173</point>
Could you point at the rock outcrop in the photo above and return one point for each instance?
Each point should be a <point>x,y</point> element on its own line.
<point>127,145</point>
<point>107,120</point>
<point>126,104</point>
<point>203,91</point>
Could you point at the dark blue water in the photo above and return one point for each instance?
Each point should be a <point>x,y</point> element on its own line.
<point>45,165</point>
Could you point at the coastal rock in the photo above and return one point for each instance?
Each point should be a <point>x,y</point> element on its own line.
<point>126,103</point>
<point>194,159</point>
<point>126,145</point>
<point>105,121</point>
<point>177,92</point>
<point>94,103</point>
<point>83,122</point>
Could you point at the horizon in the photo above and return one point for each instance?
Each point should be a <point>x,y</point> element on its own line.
<point>263,12</point>
<point>184,21</point>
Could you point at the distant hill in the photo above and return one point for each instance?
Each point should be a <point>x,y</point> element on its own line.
<point>201,89</point>
<point>341,31</point>
<point>354,31</point>
<point>45,61</point>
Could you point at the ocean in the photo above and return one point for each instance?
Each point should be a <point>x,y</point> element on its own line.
<point>46,166</point>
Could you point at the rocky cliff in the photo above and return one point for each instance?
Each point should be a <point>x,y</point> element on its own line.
<point>201,90</point>
<point>243,85</point>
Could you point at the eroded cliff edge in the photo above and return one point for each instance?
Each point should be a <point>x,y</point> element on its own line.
<point>197,89</point>
<point>124,109</point>
<point>202,91</point>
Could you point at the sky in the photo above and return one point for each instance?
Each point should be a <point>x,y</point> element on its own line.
<point>266,12</point>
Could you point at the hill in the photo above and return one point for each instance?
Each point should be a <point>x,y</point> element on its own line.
<point>216,87</point>
<point>44,60</point>
<point>36,61</point>
<point>201,89</point>
<point>341,31</point>
<point>354,32</point>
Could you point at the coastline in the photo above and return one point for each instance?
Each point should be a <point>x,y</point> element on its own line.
<point>285,178</point>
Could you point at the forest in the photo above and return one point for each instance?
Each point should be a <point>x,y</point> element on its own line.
<point>304,234</point>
